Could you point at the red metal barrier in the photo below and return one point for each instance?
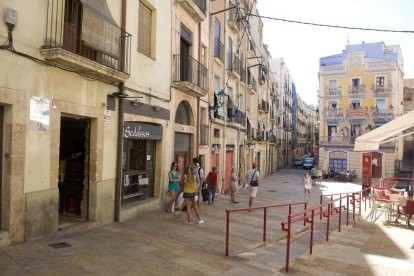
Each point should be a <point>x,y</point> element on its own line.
<point>309,215</point>
<point>304,203</point>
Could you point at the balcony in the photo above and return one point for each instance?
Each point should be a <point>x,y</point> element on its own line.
<point>252,86</point>
<point>233,20</point>
<point>261,106</point>
<point>236,116</point>
<point>382,116</point>
<point>380,66</point>
<point>333,92</point>
<point>219,49</point>
<point>357,91</point>
<point>382,91</point>
<point>233,64</point>
<point>342,140</point>
<point>196,8</point>
<point>242,72</point>
<point>86,40</point>
<point>190,76</point>
<point>332,69</point>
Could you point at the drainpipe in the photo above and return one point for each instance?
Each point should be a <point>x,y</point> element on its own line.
<point>118,179</point>
<point>198,98</point>
<point>118,176</point>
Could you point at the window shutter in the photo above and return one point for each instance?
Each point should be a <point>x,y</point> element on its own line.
<point>144,30</point>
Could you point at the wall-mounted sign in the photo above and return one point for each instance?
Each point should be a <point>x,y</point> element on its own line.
<point>135,130</point>
<point>337,154</point>
<point>107,117</point>
<point>39,114</point>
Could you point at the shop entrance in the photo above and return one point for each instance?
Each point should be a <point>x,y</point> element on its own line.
<point>73,170</point>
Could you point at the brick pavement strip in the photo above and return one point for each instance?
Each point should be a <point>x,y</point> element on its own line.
<point>159,243</point>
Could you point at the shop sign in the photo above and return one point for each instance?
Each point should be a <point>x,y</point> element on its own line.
<point>133,130</point>
<point>337,154</point>
<point>39,114</point>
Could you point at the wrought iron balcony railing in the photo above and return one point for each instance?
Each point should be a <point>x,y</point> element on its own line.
<point>333,91</point>
<point>77,34</point>
<point>381,91</point>
<point>357,91</point>
<point>233,63</point>
<point>190,76</point>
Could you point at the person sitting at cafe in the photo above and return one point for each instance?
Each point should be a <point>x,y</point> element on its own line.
<point>403,205</point>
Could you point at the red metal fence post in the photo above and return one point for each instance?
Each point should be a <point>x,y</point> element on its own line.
<point>264,223</point>
<point>304,215</point>
<point>327,221</point>
<point>288,245</point>
<point>311,234</point>
<point>347,209</point>
<point>227,231</point>
<point>340,213</point>
<point>321,200</point>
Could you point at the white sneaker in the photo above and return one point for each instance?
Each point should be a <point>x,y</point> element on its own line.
<point>187,222</point>
<point>201,221</point>
<point>177,213</point>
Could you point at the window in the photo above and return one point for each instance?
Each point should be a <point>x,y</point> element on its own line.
<point>144,29</point>
<point>217,29</point>
<point>332,87</point>
<point>355,104</point>
<point>332,104</point>
<point>381,106</point>
<point>252,46</point>
<point>138,170</point>
<point>203,55</point>
<point>355,83</point>
<point>217,133</point>
<point>380,82</point>
<point>220,108</point>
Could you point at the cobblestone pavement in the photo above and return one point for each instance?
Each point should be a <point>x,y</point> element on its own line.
<point>159,243</point>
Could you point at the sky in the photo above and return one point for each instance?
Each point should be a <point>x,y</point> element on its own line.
<point>301,46</point>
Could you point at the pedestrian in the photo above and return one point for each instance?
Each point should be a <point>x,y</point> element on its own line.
<point>198,172</point>
<point>319,175</point>
<point>173,186</point>
<point>403,207</point>
<point>211,181</point>
<point>307,184</point>
<point>234,185</point>
<point>314,175</point>
<point>253,177</point>
<point>190,195</point>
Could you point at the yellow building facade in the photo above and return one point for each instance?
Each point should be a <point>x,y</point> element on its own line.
<point>360,90</point>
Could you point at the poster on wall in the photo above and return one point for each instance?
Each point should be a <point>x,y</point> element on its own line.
<point>39,114</point>
<point>338,161</point>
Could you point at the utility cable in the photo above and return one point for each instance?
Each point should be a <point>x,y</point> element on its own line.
<point>332,26</point>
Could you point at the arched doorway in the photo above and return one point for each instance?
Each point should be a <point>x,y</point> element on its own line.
<point>182,140</point>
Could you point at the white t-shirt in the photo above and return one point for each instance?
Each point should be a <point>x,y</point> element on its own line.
<point>250,176</point>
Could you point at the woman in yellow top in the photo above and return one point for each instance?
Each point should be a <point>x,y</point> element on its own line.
<point>190,195</point>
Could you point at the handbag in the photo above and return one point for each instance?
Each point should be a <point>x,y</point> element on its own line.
<point>204,193</point>
<point>254,183</point>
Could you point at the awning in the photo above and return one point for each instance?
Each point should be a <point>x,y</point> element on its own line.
<point>383,134</point>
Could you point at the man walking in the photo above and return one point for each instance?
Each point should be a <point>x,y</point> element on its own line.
<point>253,176</point>
<point>199,174</point>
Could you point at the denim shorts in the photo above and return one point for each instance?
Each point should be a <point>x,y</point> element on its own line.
<point>189,195</point>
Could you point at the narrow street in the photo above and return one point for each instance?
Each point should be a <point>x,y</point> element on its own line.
<point>159,243</point>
